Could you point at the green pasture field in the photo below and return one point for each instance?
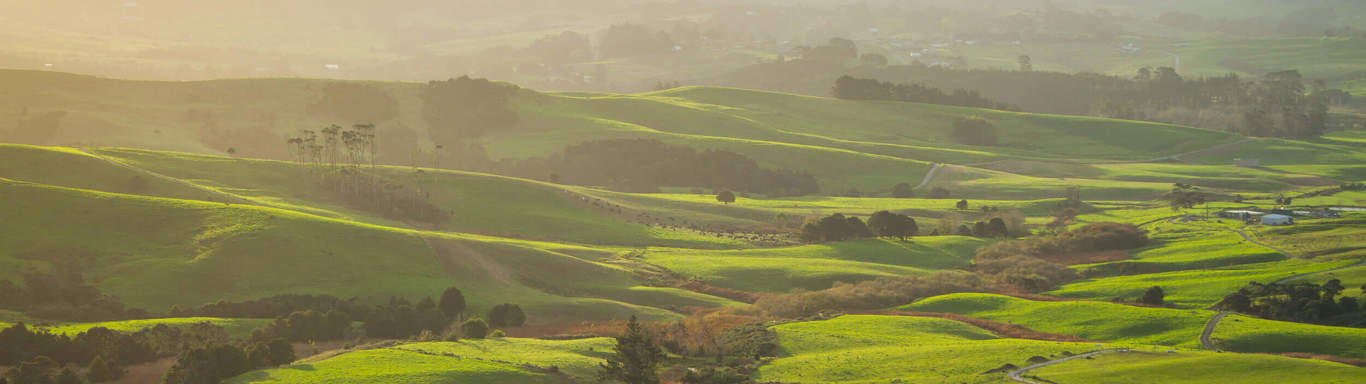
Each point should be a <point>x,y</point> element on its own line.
<point>817,266</point>
<point>1091,320</point>
<point>879,349</point>
<point>1191,289</point>
<point>1197,367</point>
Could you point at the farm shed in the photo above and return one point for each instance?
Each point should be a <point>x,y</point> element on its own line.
<point>1277,220</point>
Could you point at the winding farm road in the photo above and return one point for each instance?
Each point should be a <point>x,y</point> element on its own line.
<point>1209,331</point>
<point>1017,375</point>
<point>929,175</point>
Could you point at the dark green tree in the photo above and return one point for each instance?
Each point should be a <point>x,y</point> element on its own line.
<point>635,359</point>
<point>452,302</point>
<point>996,227</point>
<point>725,197</point>
<point>903,191</point>
<point>101,370</point>
<point>887,224</point>
<point>281,352</point>
<point>475,328</point>
<point>1153,296</point>
<point>1185,196</point>
<point>506,315</point>
<point>962,205</point>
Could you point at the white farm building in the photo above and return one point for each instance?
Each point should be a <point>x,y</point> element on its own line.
<point>1277,220</point>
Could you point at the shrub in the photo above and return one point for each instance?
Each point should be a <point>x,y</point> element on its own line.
<point>101,371</point>
<point>497,334</point>
<point>475,328</point>
<point>903,191</point>
<point>1153,296</point>
<point>506,315</point>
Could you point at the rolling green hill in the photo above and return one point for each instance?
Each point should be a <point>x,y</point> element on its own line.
<point>817,266</point>
<point>869,145</point>
<point>155,252</point>
<point>499,360</point>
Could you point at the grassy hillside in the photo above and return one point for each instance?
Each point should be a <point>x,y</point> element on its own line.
<point>1152,326</point>
<point>478,203</point>
<point>1156,366</point>
<point>1193,288</point>
<point>1176,247</point>
<point>869,145</point>
<point>817,266</point>
<point>869,349</point>
<point>235,328</point>
<point>504,360</point>
<point>154,253</point>
<point>1085,319</point>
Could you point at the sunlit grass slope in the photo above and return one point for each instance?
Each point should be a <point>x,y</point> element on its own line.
<point>69,167</point>
<point>501,360</point>
<point>397,366</point>
<point>817,266</point>
<point>1086,319</point>
<point>880,349</point>
<point>1193,288</point>
<point>1195,367</point>
<point>478,203</point>
<point>235,328</point>
<point>154,253</point>
<point>1070,137</point>
<point>1249,334</point>
<point>868,145</point>
<point>1175,247</point>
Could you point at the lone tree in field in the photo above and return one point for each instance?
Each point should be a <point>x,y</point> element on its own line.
<point>635,359</point>
<point>725,197</point>
<point>974,131</point>
<point>1185,196</point>
<point>887,224</point>
<point>1154,296</point>
<point>1026,63</point>
<point>903,191</point>
<point>452,302</point>
<point>962,205</point>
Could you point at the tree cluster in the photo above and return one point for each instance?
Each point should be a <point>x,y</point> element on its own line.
<point>400,319</point>
<point>62,295</point>
<point>835,227</point>
<point>851,88</point>
<point>307,325</point>
<point>104,351</point>
<point>645,165</point>
<point>1274,104</point>
<point>1298,302</point>
<point>213,364</point>
<point>465,108</point>
<point>888,224</point>
<point>1036,263</point>
<point>350,101</point>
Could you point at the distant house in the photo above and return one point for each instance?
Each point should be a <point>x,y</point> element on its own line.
<point>1277,220</point>
<point>1249,163</point>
